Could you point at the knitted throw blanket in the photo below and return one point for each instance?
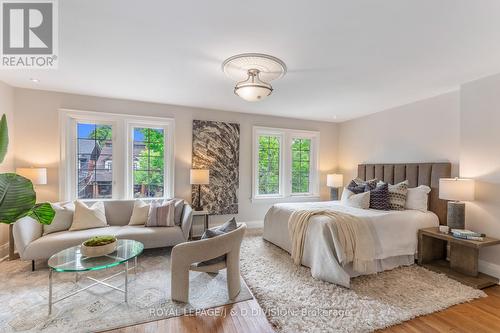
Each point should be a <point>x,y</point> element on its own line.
<point>355,236</point>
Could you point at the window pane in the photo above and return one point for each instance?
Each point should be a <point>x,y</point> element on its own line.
<point>148,162</point>
<point>269,164</point>
<point>94,161</point>
<point>301,154</point>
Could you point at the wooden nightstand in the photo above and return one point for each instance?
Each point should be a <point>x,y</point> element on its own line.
<point>196,213</point>
<point>464,254</point>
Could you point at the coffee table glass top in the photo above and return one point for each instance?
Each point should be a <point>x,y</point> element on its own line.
<point>71,259</point>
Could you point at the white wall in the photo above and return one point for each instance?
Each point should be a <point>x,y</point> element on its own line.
<point>480,159</point>
<point>7,108</point>
<point>37,139</point>
<point>424,131</point>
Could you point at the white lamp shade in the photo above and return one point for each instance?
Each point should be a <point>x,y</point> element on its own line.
<point>456,189</point>
<point>252,93</point>
<point>334,180</point>
<point>38,176</point>
<point>199,176</point>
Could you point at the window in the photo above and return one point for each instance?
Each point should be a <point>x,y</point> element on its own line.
<point>94,152</point>
<point>110,156</point>
<point>285,163</point>
<point>148,165</point>
<point>269,164</point>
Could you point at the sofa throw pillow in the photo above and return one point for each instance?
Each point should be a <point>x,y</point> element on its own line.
<point>179,207</point>
<point>418,197</point>
<point>140,213</point>
<point>397,195</point>
<point>379,197</point>
<point>351,199</point>
<point>230,225</point>
<point>161,214</point>
<point>62,219</point>
<point>88,217</point>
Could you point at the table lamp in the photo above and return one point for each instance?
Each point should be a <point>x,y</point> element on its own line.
<point>199,177</point>
<point>456,190</point>
<point>334,181</point>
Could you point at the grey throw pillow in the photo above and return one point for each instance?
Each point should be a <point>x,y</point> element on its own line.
<point>214,232</point>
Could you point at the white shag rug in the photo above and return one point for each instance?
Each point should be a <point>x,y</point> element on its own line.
<point>24,297</point>
<point>294,301</point>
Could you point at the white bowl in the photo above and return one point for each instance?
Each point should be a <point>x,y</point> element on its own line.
<point>98,251</point>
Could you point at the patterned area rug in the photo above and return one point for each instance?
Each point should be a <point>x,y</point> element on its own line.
<point>24,297</point>
<point>293,301</point>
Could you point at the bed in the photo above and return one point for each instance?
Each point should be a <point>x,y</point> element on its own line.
<point>396,231</point>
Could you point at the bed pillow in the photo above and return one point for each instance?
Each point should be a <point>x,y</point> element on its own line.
<point>161,214</point>
<point>358,185</point>
<point>417,198</point>
<point>88,217</point>
<point>62,219</point>
<point>140,213</point>
<point>379,197</point>
<point>397,195</point>
<point>359,200</point>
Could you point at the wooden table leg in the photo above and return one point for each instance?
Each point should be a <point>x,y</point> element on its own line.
<point>464,259</point>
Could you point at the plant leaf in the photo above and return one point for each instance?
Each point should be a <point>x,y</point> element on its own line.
<point>43,213</point>
<point>4,138</point>
<point>17,197</point>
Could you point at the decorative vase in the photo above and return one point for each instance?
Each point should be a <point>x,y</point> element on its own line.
<point>98,251</point>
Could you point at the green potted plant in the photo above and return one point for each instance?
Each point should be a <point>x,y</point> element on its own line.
<point>99,246</point>
<point>17,196</point>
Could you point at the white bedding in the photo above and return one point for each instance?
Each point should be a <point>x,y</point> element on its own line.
<point>395,231</point>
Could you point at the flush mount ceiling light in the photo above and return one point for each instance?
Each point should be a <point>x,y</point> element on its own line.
<point>253,72</point>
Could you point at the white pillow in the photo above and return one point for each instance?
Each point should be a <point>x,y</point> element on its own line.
<point>140,213</point>
<point>417,198</point>
<point>63,218</point>
<point>361,200</point>
<point>161,214</point>
<point>88,217</point>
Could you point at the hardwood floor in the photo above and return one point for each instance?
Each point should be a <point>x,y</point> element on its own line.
<point>482,315</point>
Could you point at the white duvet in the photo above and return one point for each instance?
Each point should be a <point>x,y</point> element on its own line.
<point>395,236</point>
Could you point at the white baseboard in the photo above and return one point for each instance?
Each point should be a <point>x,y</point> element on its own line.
<point>254,224</point>
<point>489,268</point>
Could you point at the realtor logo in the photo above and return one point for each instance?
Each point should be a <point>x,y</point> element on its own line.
<point>29,34</point>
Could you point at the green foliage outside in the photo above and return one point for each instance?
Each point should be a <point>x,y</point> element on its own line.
<point>269,165</point>
<point>101,133</point>
<point>150,162</point>
<point>301,153</point>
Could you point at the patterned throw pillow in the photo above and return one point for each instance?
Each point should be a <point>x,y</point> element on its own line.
<point>397,195</point>
<point>161,215</point>
<point>358,185</point>
<point>379,197</point>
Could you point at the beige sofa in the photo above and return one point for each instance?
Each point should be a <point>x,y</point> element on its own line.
<point>32,245</point>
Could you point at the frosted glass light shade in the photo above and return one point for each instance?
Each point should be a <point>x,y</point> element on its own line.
<point>38,176</point>
<point>456,189</point>
<point>199,176</point>
<point>252,93</point>
<point>334,180</point>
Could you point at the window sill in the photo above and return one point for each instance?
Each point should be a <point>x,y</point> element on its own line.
<point>294,198</point>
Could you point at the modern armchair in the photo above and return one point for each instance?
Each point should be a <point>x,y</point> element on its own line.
<point>185,257</point>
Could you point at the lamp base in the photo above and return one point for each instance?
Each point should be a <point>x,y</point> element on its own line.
<point>334,193</point>
<point>456,215</point>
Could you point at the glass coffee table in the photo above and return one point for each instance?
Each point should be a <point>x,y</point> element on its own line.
<point>71,260</point>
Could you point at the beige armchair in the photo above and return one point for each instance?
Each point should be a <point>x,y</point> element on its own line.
<point>186,255</point>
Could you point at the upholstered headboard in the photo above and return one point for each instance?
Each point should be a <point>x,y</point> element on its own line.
<point>417,174</point>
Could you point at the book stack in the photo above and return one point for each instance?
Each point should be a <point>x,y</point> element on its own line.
<point>467,234</point>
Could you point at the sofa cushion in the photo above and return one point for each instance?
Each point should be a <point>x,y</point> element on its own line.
<point>140,213</point>
<point>86,217</point>
<point>161,214</point>
<point>62,219</point>
<point>46,246</point>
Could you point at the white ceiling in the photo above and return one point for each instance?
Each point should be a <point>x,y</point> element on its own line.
<point>345,58</point>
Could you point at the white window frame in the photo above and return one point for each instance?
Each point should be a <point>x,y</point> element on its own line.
<point>285,179</point>
<point>122,166</point>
